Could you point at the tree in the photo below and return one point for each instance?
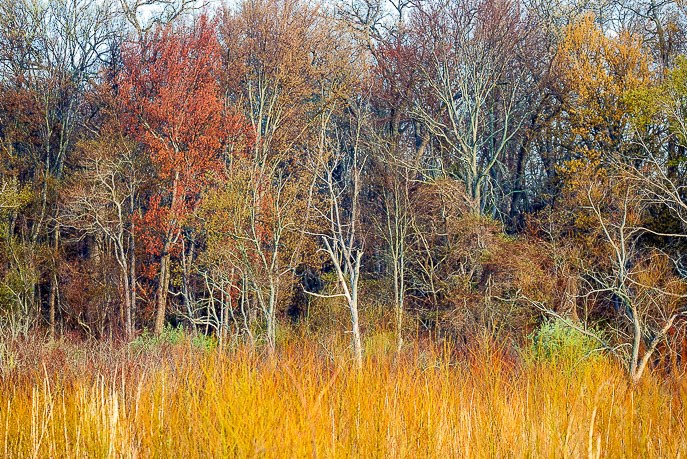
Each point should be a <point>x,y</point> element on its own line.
<point>469,89</point>
<point>172,102</point>
<point>660,22</point>
<point>251,223</point>
<point>102,199</point>
<point>291,73</point>
<point>340,169</point>
<point>145,15</point>
<point>631,285</point>
<point>18,273</point>
<point>597,72</point>
<point>396,140</point>
<point>50,53</point>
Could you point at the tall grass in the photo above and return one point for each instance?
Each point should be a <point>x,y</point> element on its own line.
<point>178,401</point>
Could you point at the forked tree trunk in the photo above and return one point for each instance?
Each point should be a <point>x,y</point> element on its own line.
<point>165,261</point>
<point>350,292</point>
<point>638,365</point>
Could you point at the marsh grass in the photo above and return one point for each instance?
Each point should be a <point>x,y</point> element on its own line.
<point>69,400</point>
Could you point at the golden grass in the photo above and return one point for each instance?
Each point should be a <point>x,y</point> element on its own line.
<point>302,403</point>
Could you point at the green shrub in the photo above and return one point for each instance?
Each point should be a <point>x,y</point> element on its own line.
<point>171,336</point>
<point>204,342</point>
<point>556,341</point>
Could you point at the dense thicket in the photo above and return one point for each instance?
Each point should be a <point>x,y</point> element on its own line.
<point>445,168</point>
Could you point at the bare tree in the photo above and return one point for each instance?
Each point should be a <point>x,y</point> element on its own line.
<point>145,15</point>
<point>101,200</point>
<point>340,169</point>
<point>396,232</point>
<point>639,283</point>
<point>287,59</point>
<point>469,90</point>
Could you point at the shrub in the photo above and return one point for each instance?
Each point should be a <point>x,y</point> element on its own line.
<point>557,342</point>
<point>204,342</point>
<point>171,336</point>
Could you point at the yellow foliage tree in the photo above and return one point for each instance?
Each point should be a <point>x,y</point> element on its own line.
<point>596,71</point>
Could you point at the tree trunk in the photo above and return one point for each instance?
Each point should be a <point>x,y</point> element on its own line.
<point>636,343</point>
<point>186,263</point>
<point>162,289</point>
<point>352,297</point>
<point>130,314</point>
<point>398,296</point>
<point>271,319</point>
<point>163,285</point>
<point>52,301</point>
<point>127,304</point>
<point>353,303</point>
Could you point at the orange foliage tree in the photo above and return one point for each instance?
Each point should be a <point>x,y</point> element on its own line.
<point>170,91</point>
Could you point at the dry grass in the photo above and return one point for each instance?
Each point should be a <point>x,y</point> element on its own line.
<point>66,401</point>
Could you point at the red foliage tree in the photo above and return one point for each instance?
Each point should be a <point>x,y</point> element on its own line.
<point>172,100</point>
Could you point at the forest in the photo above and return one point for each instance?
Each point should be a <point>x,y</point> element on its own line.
<point>343,228</point>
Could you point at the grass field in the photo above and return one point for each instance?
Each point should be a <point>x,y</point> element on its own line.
<point>98,400</point>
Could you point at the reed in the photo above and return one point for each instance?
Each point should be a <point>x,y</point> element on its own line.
<point>307,402</point>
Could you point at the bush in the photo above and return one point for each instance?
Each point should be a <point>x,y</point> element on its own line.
<point>171,336</point>
<point>204,342</point>
<point>557,342</point>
